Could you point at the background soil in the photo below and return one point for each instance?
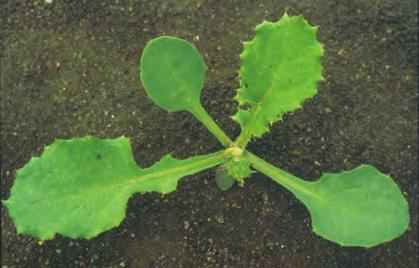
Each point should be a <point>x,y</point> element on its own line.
<point>71,68</point>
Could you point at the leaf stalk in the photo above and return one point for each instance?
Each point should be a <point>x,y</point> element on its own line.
<point>292,183</point>
<point>201,114</point>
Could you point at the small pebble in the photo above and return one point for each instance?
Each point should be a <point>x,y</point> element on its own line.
<point>327,110</point>
<point>219,219</point>
<point>187,225</point>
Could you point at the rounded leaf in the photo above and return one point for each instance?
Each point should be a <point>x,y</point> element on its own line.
<point>358,208</point>
<point>223,179</point>
<point>362,207</point>
<point>172,73</point>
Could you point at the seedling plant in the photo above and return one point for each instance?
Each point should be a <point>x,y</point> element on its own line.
<point>80,187</point>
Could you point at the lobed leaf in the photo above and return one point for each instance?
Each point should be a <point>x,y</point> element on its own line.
<point>80,187</point>
<point>280,68</point>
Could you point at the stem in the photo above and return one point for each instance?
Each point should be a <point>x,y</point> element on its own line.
<point>199,112</point>
<point>244,138</point>
<point>292,183</point>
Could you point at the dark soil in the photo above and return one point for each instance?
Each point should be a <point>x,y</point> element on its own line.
<point>71,69</point>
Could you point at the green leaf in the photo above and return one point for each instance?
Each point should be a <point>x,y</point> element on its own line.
<point>280,69</point>
<point>362,207</point>
<point>223,179</point>
<point>238,168</point>
<point>80,187</point>
<point>172,73</point>
<point>234,169</point>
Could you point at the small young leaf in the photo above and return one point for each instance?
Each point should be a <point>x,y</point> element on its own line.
<point>280,69</point>
<point>235,169</point>
<point>172,73</point>
<point>362,207</point>
<point>223,179</point>
<point>238,168</point>
<point>80,187</point>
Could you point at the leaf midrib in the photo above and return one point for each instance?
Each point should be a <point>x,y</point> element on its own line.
<point>213,160</point>
<point>247,133</point>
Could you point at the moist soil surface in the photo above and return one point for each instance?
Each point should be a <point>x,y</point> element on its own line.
<point>70,69</point>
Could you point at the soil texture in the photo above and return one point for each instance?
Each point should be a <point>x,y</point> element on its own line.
<point>71,68</point>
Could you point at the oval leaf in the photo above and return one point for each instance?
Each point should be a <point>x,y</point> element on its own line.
<point>223,179</point>
<point>280,68</point>
<point>362,207</point>
<point>172,73</point>
<point>80,187</point>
